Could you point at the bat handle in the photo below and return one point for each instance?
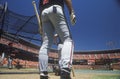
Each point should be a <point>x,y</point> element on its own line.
<point>37,15</point>
<point>33,2</point>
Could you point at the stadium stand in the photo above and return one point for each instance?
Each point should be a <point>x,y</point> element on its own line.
<point>27,54</point>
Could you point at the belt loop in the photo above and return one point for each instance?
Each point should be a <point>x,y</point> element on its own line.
<point>54,9</point>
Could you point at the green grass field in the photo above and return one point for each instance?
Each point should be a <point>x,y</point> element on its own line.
<point>106,77</point>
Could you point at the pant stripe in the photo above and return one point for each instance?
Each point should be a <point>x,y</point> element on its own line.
<point>71,54</point>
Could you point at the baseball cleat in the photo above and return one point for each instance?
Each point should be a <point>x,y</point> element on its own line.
<point>44,75</point>
<point>65,73</point>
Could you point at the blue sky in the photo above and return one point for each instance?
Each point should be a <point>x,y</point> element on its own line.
<point>98,22</point>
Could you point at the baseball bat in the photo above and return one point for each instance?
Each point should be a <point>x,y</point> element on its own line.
<point>73,72</point>
<point>6,6</point>
<point>37,15</point>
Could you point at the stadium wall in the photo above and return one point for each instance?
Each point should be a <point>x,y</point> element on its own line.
<point>81,60</point>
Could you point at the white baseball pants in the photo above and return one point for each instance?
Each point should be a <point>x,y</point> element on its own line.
<point>53,20</point>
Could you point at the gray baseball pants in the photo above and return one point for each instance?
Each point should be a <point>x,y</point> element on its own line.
<point>53,20</point>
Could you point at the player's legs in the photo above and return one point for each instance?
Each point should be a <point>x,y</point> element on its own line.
<point>47,37</point>
<point>66,59</point>
<point>62,30</point>
<point>59,50</point>
<point>59,56</point>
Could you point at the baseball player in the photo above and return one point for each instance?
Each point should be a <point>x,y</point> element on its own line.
<point>2,57</point>
<point>53,20</point>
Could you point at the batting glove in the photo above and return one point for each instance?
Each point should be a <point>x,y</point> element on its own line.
<point>73,18</point>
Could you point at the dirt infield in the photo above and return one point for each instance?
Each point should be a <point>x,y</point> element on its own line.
<point>36,76</point>
<point>80,74</point>
<point>52,76</point>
